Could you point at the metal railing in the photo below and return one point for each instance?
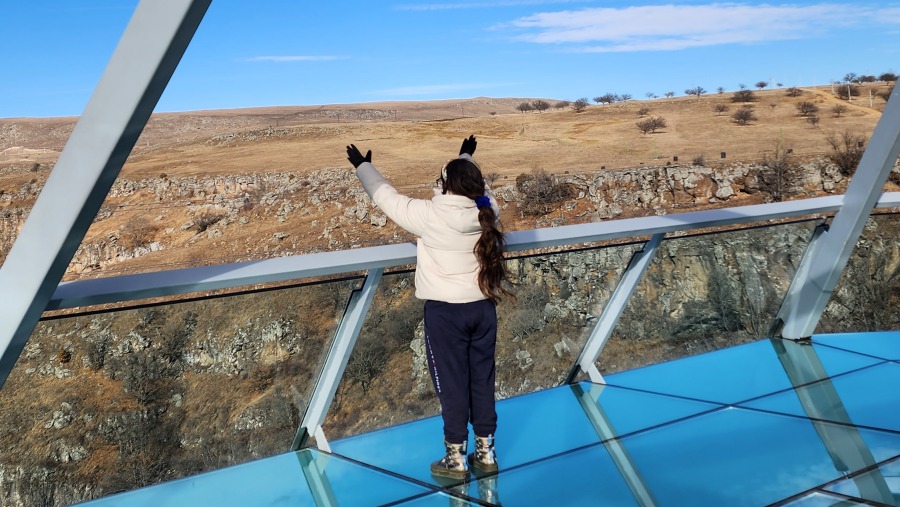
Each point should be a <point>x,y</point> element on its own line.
<point>374,260</point>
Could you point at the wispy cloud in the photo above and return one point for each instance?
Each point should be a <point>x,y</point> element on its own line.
<point>431,90</point>
<point>294,58</point>
<point>673,27</point>
<point>483,5</point>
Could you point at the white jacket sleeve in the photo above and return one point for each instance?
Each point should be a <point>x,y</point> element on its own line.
<point>407,212</point>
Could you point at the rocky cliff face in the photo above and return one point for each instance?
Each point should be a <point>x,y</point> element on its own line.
<point>105,402</point>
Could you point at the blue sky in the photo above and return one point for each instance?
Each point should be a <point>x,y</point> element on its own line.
<point>281,52</point>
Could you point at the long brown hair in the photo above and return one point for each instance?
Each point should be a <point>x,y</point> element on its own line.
<point>463,177</point>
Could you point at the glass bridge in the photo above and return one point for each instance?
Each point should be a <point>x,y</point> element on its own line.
<point>735,357</point>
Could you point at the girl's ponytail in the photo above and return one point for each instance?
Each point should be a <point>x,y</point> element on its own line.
<point>463,177</point>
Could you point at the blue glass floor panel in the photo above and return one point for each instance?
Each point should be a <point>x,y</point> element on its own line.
<point>731,375</point>
<point>883,344</point>
<point>304,478</point>
<point>858,398</point>
<point>561,418</point>
<point>768,423</point>
<point>881,484</point>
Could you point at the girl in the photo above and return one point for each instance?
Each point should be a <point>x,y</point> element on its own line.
<point>460,272</point>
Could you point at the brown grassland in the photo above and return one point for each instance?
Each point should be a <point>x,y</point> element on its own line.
<point>410,141</point>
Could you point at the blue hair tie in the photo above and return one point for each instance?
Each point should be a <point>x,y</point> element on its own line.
<point>482,201</point>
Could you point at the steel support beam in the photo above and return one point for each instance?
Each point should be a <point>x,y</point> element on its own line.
<point>828,257</point>
<point>590,403</point>
<point>336,362</point>
<point>821,402</point>
<point>612,311</point>
<point>141,66</point>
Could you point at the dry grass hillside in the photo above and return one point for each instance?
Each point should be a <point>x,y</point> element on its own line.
<point>176,194</point>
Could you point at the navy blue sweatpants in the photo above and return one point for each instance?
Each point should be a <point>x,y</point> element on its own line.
<point>461,339</point>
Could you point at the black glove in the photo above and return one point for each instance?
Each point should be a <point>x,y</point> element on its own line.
<point>468,146</point>
<point>356,158</point>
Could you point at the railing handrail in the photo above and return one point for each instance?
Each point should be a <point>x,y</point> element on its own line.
<point>123,288</point>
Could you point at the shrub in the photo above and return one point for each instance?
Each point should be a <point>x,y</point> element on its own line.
<point>806,108</point>
<point>761,84</point>
<point>838,110</point>
<point>562,104</point>
<point>540,192</point>
<point>793,92</point>
<point>699,160</point>
<point>743,96</point>
<point>846,151</point>
<point>886,94</point>
<point>643,111</point>
<point>720,108</point>
<point>813,120</point>
<point>846,91</point>
<point>524,107</point>
<point>744,115</point>
<point>206,219</point>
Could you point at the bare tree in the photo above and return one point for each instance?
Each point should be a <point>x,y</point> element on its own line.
<point>697,90</point>
<point>643,111</point>
<point>793,92</point>
<point>540,105</point>
<point>562,104</point>
<point>888,77</point>
<point>651,125</point>
<point>669,95</point>
<point>524,107</point>
<point>838,110</point>
<point>761,84</point>
<point>580,104</point>
<point>720,90</point>
<point>777,174</point>
<point>650,95</point>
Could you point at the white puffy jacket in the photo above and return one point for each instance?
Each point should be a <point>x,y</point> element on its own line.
<point>447,228</point>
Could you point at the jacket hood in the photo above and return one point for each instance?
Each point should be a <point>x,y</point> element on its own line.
<point>458,212</point>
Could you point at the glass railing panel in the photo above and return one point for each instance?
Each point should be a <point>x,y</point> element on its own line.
<point>707,292</point>
<point>107,402</point>
<point>540,334</point>
<point>867,295</point>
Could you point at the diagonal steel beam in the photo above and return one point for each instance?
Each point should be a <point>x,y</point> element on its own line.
<point>823,263</point>
<point>603,329</point>
<point>336,362</point>
<point>138,72</point>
